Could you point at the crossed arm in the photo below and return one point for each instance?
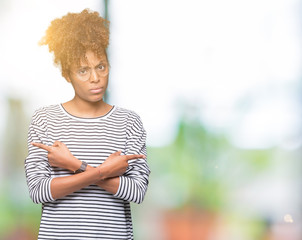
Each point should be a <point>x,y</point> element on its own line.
<point>105,175</point>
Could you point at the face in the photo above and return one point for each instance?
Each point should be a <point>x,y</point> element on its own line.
<point>90,78</point>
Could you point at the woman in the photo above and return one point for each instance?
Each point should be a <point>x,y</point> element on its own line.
<point>86,159</point>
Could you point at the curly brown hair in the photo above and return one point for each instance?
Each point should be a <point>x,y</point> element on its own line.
<point>71,36</point>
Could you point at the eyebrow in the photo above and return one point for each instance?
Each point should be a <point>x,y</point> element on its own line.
<point>103,62</point>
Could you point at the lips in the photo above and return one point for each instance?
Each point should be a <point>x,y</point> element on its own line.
<point>96,90</point>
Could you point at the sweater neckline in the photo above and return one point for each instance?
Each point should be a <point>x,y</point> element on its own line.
<point>87,119</point>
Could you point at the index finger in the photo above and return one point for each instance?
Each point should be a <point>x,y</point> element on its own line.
<point>134,156</point>
<point>40,145</point>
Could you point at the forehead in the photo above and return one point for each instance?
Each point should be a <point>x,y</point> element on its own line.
<point>92,59</point>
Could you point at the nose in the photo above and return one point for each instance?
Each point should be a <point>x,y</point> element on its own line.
<point>94,77</point>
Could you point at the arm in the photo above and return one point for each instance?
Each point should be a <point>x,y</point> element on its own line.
<point>134,182</point>
<point>130,185</point>
<point>105,174</point>
<point>37,168</point>
<point>62,186</point>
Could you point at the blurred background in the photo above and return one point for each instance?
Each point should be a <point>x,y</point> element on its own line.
<point>218,87</point>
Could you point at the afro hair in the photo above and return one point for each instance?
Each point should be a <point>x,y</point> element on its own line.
<point>71,36</point>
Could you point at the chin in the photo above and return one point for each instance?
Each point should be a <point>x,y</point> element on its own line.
<point>96,99</point>
<point>93,98</point>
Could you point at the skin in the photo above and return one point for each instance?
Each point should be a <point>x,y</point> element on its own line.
<point>88,103</point>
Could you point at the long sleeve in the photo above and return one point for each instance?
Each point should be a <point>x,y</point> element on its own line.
<point>37,168</point>
<point>133,184</point>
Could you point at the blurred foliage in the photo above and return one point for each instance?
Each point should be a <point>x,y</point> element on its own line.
<point>19,216</point>
<point>189,168</point>
<point>200,168</point>
<point>18,213</point>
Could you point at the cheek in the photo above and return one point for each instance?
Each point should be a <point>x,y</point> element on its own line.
<point>106,81</point>
<point>77,87</point>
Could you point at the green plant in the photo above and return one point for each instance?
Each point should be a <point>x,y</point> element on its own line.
<point>190,169</point>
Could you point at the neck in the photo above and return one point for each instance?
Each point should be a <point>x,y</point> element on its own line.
<point>86,109</point>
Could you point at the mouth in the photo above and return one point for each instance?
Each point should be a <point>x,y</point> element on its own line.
<point>96,90</point>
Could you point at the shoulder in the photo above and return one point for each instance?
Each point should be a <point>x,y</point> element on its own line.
<point>132,119</point>
<point>41,113</point>
<point>130,115</point>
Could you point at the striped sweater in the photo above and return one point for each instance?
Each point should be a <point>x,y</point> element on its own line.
<point>92,212</point>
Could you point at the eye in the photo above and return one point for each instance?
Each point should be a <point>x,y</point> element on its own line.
<point>82,71</point>
<point>101,67</point>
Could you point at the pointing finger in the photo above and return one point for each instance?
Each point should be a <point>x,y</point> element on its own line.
<point>40,145</point>
<point>134,156</point>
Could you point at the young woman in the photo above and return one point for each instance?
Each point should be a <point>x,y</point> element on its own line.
<point>87,159</point>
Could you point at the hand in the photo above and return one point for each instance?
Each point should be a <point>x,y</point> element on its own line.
<point>60,156</point>
<point>116,164</point>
